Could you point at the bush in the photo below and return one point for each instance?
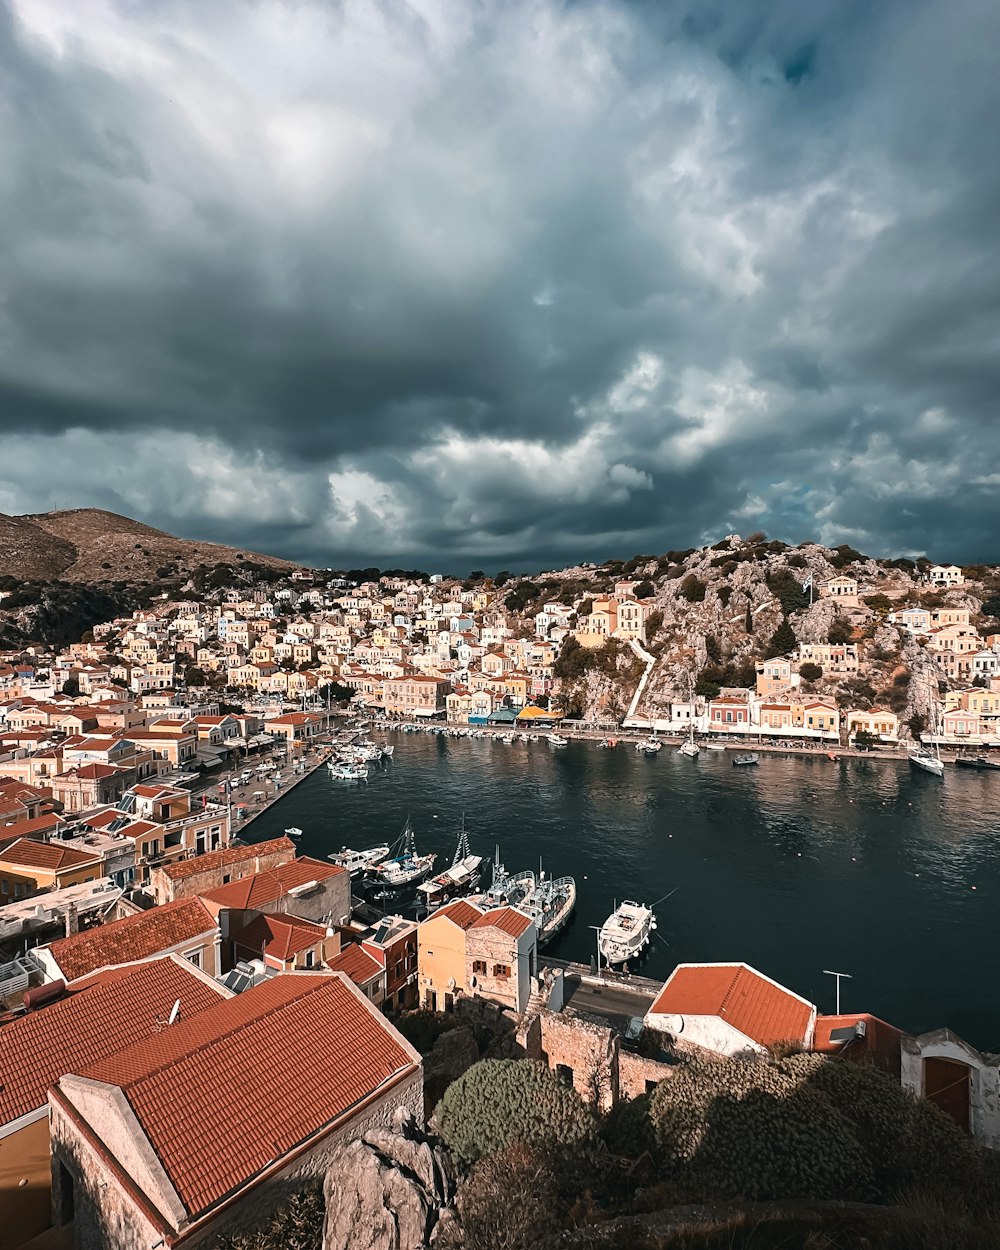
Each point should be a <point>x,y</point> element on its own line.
<point>782,641</point>
<point>502,1101</point>
<point>510,1202</point>
<point>810,671</point>
<point>840,632</point>
<point>626,1129</point>
<point>693,589</point>
<point>741,1128</point>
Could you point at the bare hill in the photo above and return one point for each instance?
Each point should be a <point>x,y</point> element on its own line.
<point>91,545</point>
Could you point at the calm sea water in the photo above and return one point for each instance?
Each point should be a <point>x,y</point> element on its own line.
<point>796,866</point>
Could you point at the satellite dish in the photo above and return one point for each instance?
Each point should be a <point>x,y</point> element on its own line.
<point>451,983</point>
<point>674,1024</point>
<point>473,982</point>
<point>175,1011</point>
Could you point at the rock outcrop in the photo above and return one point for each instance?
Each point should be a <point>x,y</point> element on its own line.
<point>390,1190</point>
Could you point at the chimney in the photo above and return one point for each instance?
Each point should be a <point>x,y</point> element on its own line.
<point>72,920</point>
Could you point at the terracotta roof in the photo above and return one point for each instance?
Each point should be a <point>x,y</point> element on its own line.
<point>281,937</point>
<point>880,1044</point>
<point>263,888</point>
<point>226,855</point>
<point>213,1136</point>
<point>99,1017</point>
<point>48,855</point>
<point>459,912</point>
<point>508,919</point>
<point>135,937</point>
<point>357,964</point>
<point>751,1003</point>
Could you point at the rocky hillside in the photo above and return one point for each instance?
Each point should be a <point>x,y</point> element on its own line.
<point>88,545</point>
<point>721,609</point>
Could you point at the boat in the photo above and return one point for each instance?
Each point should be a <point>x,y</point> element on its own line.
<point>690,748</point>
<point>349,772</point>
<point>405,867</point>
<point>980,762</point>
<point>924,758</point>
<point>745,761</point>
<point>714,746</point>
<point>626,932</point>
<point>649,746</point>
<point>508,739</point>
<point>507,889</point>
<point>388,750</point>
<point>557,740</point>
<point>357,862</point>
<point>608,744</point>
<point>550,904</point>
<point>461,878</point>
<point>294,831</point>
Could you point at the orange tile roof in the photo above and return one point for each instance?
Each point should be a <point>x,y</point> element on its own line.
<point>263,888</point>
<point>281,937</point>
<point>459,912</point>
<point>227,855</point>
<point>880,1044</point>
<point>213,1136</point>
<point>135,937</point>
<point>507,919</point>
<point>748,1001</point>
<point>48,855</point>
<point>99,1017</point>
<point>357,964</point>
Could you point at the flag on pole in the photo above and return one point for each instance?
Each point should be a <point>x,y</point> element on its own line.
<point>807,584</point>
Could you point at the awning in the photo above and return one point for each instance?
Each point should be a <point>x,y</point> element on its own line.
<point>210,757</point>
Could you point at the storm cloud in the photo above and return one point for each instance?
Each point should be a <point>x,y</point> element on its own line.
<point>504,284</point>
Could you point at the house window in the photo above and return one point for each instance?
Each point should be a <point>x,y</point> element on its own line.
<point>479,966</point>
<point>501,971</point>
<point>194,957</point>
<point>310,959</point>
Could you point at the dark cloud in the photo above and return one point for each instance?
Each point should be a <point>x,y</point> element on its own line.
<point>503,284</point>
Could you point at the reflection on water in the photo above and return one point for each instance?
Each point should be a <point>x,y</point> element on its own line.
<point>795,866</point>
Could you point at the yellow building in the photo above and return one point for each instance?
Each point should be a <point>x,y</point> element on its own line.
<point>28,867</point>
<point>441,962</point>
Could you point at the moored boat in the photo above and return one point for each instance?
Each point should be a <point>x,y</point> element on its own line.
<point>980,762</point>
<point>356,862</point>
<point>626,932</point>
<point>745,761</point>
<point>689,747</point>
<point>294,831</point>
<point>927,761</point>
<point>461,878</point>
<point>349,772</point>
<point>405,867</point>
<point>557,740</point>
<point>549,904</point>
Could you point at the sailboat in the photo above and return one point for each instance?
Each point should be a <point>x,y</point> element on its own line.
<point>690,747</point>
<point>924,757</point>
<point>459,879</point>
<point>405,867</point>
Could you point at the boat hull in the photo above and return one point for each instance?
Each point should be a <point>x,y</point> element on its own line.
<point>927,764</point>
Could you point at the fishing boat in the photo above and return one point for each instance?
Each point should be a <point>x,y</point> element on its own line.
<point>745,761</point>
<point>649,746</point>
<point>689,747</point>
<point>557,740</point>
<point>980,762</point>
<point>461,878</point>
<point>357,862</point>
<point>507,889</point>
<point>626,932</point>
<point>550,904</point>
<point>294,831</point>
<point>349,772</point>
<point>405,866</point>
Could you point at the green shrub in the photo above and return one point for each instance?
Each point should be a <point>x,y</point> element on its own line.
<point>502,1101</point>
<point>749,1129</point>
<point>693,589</point>
<point>626,1129</point>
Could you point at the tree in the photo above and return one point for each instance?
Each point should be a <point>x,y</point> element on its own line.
<point>653,623</point>
<point>782,641</point>
<point>644,590</point>
<point>71,687</point>
<point>498,1102</point>
<point>865,740</point>
<point>840,632</point>
<point>916,725</point>
<point>748,619</point>
<point>880,604</point>
<point>194,676</point>
<point>693,589</point>
<point>810,671</point>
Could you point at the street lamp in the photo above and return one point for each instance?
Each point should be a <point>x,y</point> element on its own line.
<point>839,976</point>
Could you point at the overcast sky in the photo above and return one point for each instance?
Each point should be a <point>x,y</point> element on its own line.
<point>472,284</point>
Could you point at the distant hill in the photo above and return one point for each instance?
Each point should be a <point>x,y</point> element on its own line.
<point>90,545</point>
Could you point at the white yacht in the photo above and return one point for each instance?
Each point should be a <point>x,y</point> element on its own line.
<point>626,932</point>
<point>294,831</point>
<point>557,740</point>
<point>689,747</point>
<point>928,760</point>
<point>356,862</point>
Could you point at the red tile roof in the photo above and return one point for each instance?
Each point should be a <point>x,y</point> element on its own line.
<point>880,1044</point>
<point>263,888</point>
<point>459,912</point>
<point>99,1017</point>
<point>281,937</point>
<point>135,937</point>
<point>357,964</point>
<point>47,855</point>
<point>507,919</point>
<point>214,1135</point>
<point>751,1003</point>
<point>225,856</point>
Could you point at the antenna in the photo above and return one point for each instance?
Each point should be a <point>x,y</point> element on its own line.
<point>839,976</point>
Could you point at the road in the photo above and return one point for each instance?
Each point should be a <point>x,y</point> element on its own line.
<point>614,1003</point>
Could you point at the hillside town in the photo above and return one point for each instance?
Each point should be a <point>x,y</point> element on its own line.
<point>144,943</point>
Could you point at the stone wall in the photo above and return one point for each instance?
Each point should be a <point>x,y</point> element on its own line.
<point>584,1052</point>
<point>109,1217</point>
<point>493,947</point>
<point>164,888</point>
<point>636,1075</point>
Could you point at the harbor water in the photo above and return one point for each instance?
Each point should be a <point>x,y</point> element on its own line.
<point>799,865</point>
